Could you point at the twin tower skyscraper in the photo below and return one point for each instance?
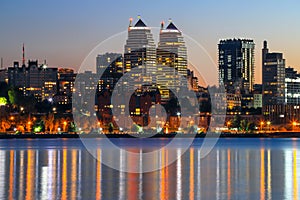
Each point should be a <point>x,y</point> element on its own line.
<point>158,62</point>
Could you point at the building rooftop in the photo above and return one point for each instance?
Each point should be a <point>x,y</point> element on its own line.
<point>140,23</point>
<point>171,26</point>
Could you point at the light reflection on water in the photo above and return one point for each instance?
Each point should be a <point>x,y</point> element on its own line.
<point>235,169</point>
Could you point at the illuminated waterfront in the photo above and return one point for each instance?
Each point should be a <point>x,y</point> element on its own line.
<point>235,169</point>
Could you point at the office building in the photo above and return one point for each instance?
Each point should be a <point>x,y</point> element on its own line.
<point>236,65</point>
<point>34,79</point>
<point>103,61</point>
<point>140,52</point>
<point>273,77</point>
<point>111,67</point>
<point>292,87</point>
<point>171,60</point>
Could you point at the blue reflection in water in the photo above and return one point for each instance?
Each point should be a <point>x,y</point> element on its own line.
<point>235,169</point>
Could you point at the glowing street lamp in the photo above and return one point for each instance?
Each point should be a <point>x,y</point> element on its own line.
<point>29,126</point>
<point>65,124</point>
<point>261,125</point>
<point>228,124</point>
<point>268,123</point>
<point>294,124</point>
<point>178,116</point>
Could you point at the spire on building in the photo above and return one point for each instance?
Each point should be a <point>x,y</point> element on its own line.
<point>23,55</point>
<point>162,25</point>
<point>265,44</point>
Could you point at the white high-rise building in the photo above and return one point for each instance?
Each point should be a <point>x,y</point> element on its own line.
<point>171,60</point>
<point>171,48</point>
<point>140,51</point>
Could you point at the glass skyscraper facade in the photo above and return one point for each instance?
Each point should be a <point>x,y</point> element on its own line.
<point>236,65</point>
<point>273,77</point>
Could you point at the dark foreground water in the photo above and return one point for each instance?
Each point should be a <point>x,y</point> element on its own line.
<point>235,169</point>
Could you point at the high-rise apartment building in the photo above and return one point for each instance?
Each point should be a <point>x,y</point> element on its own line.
<point>273,77</point>
<point>236,65</point>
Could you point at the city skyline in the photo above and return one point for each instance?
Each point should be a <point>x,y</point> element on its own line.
<point>64,39</point>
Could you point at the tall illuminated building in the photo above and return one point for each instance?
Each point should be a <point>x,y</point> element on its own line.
<point>171,53</point>
<point>236,65</point>
<point>273,77</point>
<point>140,51</point>
<point>171,48</point>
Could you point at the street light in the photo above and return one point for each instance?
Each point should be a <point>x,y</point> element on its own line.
<point>294,124</point>
<point>261,125</point>
<point>65,124</point>
<point>268,123</point>
<point>228,124</point>
<point>178,116</point>
<point>29,126</point>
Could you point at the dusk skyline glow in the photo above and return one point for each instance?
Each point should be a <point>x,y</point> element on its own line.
<point>63,33</point>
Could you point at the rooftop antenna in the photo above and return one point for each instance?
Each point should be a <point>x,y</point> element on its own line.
<point>23,56</point>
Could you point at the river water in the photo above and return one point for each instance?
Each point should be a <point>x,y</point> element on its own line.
<point>234,169</point>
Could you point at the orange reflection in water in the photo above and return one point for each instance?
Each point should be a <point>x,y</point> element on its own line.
<point>228,174</point>
<point>98,175</point>
<point>74,174</point>
<point>133,187</point>
<point>269,188</point>
<point>21,176</point>
<point>192,192</point>
<point>262,174</point>
<point>64,175</point>
<point>11,174</point>
<point>295,181</point>
<point>164,175</point>
<point>30,175</point>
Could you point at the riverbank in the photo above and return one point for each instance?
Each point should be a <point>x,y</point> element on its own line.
<point>172,135</point>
